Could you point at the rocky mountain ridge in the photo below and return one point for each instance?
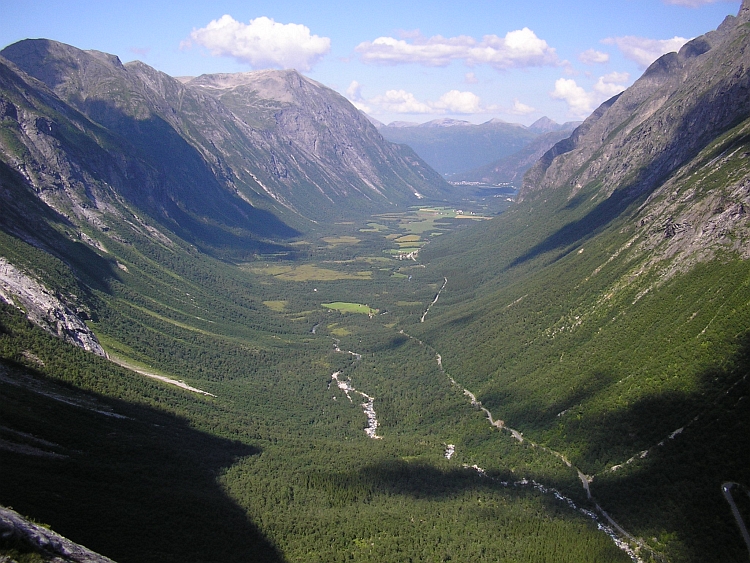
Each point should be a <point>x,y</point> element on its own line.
<point>46,309</point>
<point>274,140</point>
<point>677,137</point>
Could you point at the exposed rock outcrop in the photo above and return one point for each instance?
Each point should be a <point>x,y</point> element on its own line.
<point>28,537</point>
<point>677,140</point>
<point>44,308</point>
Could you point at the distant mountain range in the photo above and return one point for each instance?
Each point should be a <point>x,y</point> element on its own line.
<point>461,150</point>
<point>511,169</point>
<point>601,323</point>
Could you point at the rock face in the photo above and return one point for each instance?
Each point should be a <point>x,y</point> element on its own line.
<point>213,145</point>
<point>681,103</point>
<point>660,141</point>
<point>44,308</point>
<point>47,545</point>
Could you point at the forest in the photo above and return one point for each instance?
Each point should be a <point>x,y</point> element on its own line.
<point>276,465</point>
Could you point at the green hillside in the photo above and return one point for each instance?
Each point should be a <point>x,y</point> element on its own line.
<point>564,382</point>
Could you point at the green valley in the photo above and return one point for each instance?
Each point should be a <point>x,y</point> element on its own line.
<point>237,324</point>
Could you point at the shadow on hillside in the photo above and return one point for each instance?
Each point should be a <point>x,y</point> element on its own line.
<point>675,489</point>
<point>138,489</point>
<point>26,217</point>
<point>581,229</point>
<point>170,179</point>
<point>398,477</point>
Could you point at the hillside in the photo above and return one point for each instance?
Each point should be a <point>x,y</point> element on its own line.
<point>247,142</point>
<point>606,316</point>
<point>193,369</point>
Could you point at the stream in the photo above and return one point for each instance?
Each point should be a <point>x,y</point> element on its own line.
<point>346,386</point>
<point>604,522</point>
<point>622,539</point>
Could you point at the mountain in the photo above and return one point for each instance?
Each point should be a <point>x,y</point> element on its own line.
<point>512,168</point>
<point>606,315</point>
<point>191,370</point>
<point>246,144</point>
<point>453,146</point>
<point>546,125</point>
<point>59,158</point>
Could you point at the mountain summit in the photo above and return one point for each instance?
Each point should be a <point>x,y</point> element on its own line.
<point>272,139</point>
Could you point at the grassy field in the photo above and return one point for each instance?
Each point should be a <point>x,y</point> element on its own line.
<point>307,272</point>
<point>344,307</point>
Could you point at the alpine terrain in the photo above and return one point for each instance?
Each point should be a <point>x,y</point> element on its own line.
<point>238,324</point>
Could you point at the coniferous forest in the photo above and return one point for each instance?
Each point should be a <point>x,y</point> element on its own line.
<point>191,370</point>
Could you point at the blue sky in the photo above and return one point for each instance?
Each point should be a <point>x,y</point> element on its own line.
<point>417,60</point>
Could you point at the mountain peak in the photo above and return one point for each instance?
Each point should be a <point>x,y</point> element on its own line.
<point>544,125</point>
<point>446,122</point>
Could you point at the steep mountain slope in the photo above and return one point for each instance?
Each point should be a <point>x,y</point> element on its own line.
<point>90,175</point>
<point>606,315</point>
<point>512,168</point>
<point>277,153</point>
<point>453,147</point>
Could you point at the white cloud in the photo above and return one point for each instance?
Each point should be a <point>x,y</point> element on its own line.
<point>521,109</point>
<point>580,102</point>
<point>644,51</point>
<point>452,102</point>
<point>592,56</point>
<point>400,101</point>
<point>520,48</point>
<point>471,78</point>
<point>459,102</point>
<point>354,93</point>
<point>262,43</point>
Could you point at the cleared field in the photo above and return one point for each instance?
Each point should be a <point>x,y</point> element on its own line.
<point>344,307</point>
<point>344,239</point>
<point>277,306</point>
<point>307,272</point>
<point>374,228</point>
<point>408,238</point>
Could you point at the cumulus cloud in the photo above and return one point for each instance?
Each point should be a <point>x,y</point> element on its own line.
<point>521,108</point>
<point>471,78</point>
<point>262,43</point>
<point>520,48</point>
<point>580,102</point>
<point>592,56</point>
<point>401,101</point>
<point>354,93</point>
<point>459,102</point>
<point>644,51</point>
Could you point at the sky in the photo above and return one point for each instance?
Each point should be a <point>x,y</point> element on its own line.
<point>397,60</point>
